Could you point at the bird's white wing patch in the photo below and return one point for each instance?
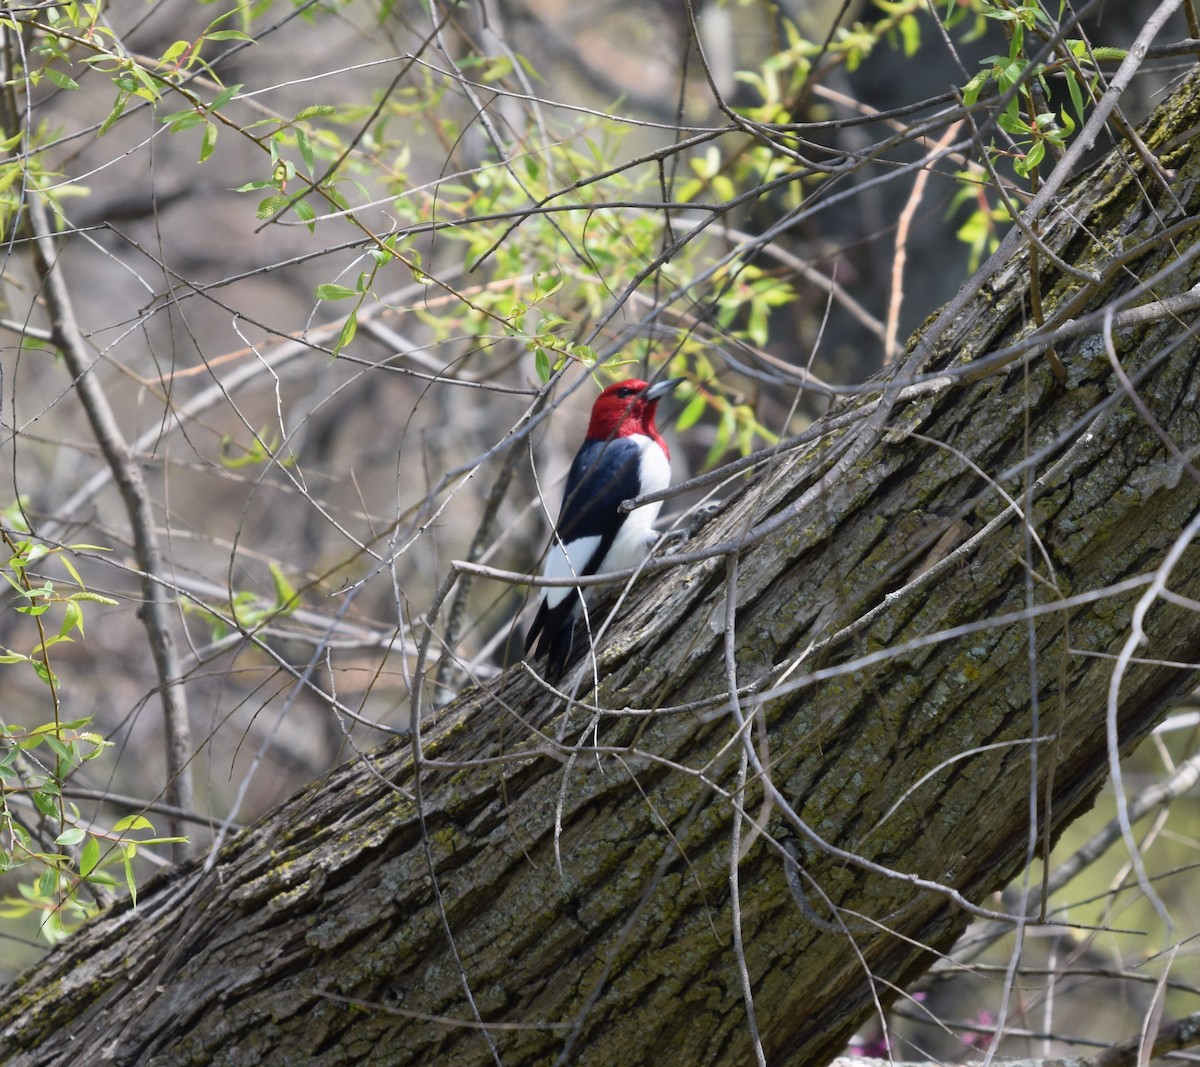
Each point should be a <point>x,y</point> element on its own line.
<point>560,564</point>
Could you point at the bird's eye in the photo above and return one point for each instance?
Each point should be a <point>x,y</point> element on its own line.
<point>624,392</point>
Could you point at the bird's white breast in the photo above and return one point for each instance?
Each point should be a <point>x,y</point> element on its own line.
<point>636,535</point>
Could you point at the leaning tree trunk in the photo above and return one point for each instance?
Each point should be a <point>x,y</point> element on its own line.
<point>545,881</point>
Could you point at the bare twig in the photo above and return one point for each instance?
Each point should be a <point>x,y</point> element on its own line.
<point>891,345</point>
<point>127,474</point>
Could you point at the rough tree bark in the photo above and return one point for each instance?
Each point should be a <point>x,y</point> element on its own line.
<point>571,867</point>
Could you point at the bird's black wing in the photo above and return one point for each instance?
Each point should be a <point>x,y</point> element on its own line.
<point>602,476</point>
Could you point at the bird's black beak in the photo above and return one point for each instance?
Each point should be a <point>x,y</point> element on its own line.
<point>661,389</point>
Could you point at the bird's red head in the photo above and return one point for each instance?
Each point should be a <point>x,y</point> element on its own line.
<point>628,407</point>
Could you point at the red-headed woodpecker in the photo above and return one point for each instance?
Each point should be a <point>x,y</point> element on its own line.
<point>622,456</point>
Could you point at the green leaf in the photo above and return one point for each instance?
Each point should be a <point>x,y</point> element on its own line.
<point>225,95</point>
<point>349,329</point>
<point>305,213</point>
<point>11,908</point>
<point>76,724</point>
<point>63,81</point>
<point>69,567</point>
<point>44,673</point>
<point>333,291</point>
<point>691,413</point>
<point>228,35</point>
<point>528,67</point>
<point>63,751</point>
<point>184,120</point>
<point>100,878</point>
<point>132,822</point>
<point>585,354</point>
<point>50,642</point>
<point>1076,93</point>
<point>162,840</point>
<point>541,364</point>
<point>143,84</point>
<point>47,884</point>
<point>285,594</point>
<point>540,293</point>
<point>175,51</point>
<point>89,857</point>
<point>1014,124</point>
<point>306,150</point>
<point>127,853</point>
<point>71,836</point>
<point>335,197</point>
<point>72,619</point>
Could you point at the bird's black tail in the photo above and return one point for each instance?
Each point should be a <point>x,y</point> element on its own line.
<point>553,632</point>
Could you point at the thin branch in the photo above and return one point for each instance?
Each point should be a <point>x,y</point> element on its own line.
<point>155,612</point>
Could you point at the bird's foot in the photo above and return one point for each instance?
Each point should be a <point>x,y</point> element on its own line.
<point>674,540</point>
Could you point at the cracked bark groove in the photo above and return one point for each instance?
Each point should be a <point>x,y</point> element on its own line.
<point>316,938</point>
